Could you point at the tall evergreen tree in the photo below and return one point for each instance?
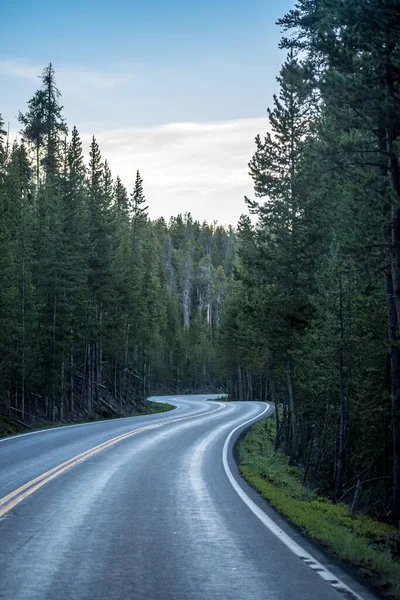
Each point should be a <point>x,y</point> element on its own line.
<point>34,127</point>
<point>276,171</point>
<point>355,45</point>
<point>55,126</point>
<point>138,200</point>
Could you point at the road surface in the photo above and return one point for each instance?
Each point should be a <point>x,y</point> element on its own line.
<point>150,508</point>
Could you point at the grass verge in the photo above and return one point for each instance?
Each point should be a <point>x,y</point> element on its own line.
<point>154,407</point>
<point>351,538</point>
<point>10,427</point>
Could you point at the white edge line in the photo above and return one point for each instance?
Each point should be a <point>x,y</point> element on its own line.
<point>50,429</point>
<point>300,552</point>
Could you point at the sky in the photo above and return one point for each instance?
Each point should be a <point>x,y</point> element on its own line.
<point>176,89</point>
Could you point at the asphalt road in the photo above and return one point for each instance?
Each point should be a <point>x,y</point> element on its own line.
<point>150,508</point>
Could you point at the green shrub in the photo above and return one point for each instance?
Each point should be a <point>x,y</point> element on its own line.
<point>349,536</point>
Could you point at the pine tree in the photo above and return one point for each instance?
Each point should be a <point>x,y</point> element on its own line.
<point>122,203</point>
<point>55,126</point>
<point>34,127</point>
<point>74,253</point>
<point>275,169</point>
<point>138,200</point>
<point>16,297</point>
<point>99,267</point>
<point>355,46</point>
<point>8,291</point>
<point>97,218</point>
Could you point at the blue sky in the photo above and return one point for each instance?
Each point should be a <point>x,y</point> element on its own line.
<point>132,68</point>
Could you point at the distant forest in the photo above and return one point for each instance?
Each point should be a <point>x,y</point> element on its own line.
<point>101,306</point>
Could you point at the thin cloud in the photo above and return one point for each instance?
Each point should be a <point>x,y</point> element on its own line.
<point>69,77</point>
<point>199,167</point>
<point>187,167</point>
<point>14,68</point>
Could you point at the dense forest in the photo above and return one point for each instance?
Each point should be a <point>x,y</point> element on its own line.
<point>101,306</point>
<point>312,322</point>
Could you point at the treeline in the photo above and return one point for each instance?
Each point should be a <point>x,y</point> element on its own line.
<point>99,306</point>
<point>314,314</point>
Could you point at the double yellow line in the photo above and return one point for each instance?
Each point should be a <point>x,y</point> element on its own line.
<point>24,491</point>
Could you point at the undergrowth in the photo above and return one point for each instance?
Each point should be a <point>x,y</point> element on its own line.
<point>351,537</point>
<point>9,426</point>
<point>155,407</point>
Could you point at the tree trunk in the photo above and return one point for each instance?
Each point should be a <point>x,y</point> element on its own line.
<point>62,376</point>
<point>310,453</point>
<point>23,336</point>
<point>144,381</point>
<point>54,342</point>
<point>393,334</point>
<point>356,497</point>
<point>240,385</point>
<point>85,362</point>
<point>273,398</point>
<point>90,382</point>
<point>97,370</point>
<point>249,395</point>
<point>292,416</point>
<point>115,374</point>
<point>100,369</point>
<point>342,428</point>
<point>395,185</point>
<point>126,358</point>
<point>71,380</point>
<point>321,442</point>
<point>37,168</point>
<point>395,228</point>
<point>92,375</point>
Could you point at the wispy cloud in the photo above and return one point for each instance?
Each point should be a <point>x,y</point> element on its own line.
<point>18,69</point>
<point>199,167</point>
<point>195,167</point>
<point>69,77</point>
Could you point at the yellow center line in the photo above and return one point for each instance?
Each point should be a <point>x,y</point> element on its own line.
<point>13,498</point>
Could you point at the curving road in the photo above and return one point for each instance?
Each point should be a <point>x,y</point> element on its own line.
<point>150,508</point>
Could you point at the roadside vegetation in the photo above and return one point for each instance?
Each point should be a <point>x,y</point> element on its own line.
<point>9,426</point>
<point>154,407</point>
<point>356,539</point>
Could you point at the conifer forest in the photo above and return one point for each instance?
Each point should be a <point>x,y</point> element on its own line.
<point>298,304</point>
